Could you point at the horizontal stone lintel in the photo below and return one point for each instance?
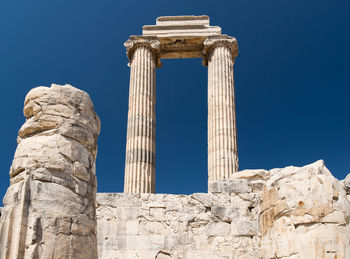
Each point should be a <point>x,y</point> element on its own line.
<point>180,36</point>
<point>180,30</point>
<point>180,46</point>
<point>181,54</point>
<point>183,19</point>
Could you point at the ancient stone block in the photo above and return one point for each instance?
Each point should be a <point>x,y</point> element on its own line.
<point>230,186</point>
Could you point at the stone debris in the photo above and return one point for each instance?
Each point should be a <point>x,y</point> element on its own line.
<point>49,208</point>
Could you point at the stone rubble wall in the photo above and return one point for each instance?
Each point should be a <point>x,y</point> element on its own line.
<point>215,225</point>
<point>177,226</point>
<point>295,212</point>
<point>49,208</point>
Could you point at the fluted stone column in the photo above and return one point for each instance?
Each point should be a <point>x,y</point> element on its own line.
<point>219,55</point>
<point>140,147</point>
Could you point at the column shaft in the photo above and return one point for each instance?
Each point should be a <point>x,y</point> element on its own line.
<point>140,146</point>
<point>222,135</point>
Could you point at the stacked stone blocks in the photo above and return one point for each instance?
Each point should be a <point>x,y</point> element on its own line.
<point>292,212</point>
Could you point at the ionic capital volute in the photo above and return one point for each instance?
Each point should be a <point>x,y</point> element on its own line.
<point>150,42</point>
<point>214,41</point>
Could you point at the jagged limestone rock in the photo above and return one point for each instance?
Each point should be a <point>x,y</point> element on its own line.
<point>304,214</point>
<point>347,185</point>
<point>49,208</point>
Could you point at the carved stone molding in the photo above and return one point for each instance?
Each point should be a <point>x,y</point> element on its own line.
<point>214,41</point>
<point>151,42</point>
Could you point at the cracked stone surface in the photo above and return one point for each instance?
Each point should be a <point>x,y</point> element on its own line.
<point>294,212</point>
<point>347,185</point>
<point>200,225</point>
<point>304,213</point>
<point>49,208</point>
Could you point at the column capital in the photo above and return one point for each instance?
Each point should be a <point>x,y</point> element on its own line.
<point>150,42</point>
<point>214,41</point>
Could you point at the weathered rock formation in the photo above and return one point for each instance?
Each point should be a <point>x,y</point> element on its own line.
<point>304,214</point>
<point>49,208</point>
<point>295,212</point>
<point>347,186</point>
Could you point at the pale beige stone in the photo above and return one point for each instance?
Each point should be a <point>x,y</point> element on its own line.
<point>304,214</point>
<point>177,226</point>
<point>220,53</point>
<point>300,212</point>
<point>49,208</point>
<point>180,37</point>
<point>230,185</point>
<point>347,184</point>
<point>140,146</point>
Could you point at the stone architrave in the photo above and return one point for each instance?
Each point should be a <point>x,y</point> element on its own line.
<point>180,37</point>
<point>143,53</point>
<point>219,55</point>
<point>50,207</point>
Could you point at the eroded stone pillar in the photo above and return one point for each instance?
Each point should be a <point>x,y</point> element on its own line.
<point>140,147</point>
<point>219,56</point>
<point>50,207</point>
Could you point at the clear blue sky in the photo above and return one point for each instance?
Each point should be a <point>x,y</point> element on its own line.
<point>291,76</point>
